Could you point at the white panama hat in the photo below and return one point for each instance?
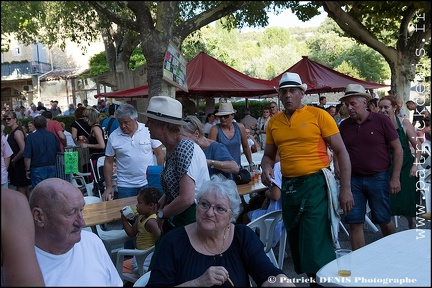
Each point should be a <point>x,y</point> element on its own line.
<point>289,79</point>
<point>165,109</point>
<point>355,90</point>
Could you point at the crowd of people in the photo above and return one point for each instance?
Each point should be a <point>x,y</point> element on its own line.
<point>196,221</point>
<point>35,110</point>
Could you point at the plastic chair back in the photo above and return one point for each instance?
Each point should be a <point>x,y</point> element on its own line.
<point>265,227</point>
<point>140,255</point>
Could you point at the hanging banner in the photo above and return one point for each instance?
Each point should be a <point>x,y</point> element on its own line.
<point>174,68</point>
<point>71,162</point>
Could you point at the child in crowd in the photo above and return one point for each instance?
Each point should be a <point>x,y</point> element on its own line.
<point>69,139</point>
<point>145,227</point>
<point>271,203</point>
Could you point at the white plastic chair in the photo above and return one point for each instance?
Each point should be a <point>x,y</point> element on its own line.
<point>110,238</point>
<point>99,182</point>
<point>266,225</point>
<point>143,280</point>
<point>78,181</point>
<point>141,256</point>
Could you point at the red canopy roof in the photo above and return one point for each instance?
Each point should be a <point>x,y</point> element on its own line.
<point>209,77</point>
<point>322,79</point>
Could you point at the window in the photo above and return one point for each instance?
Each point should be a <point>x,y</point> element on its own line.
<point>16,51</point>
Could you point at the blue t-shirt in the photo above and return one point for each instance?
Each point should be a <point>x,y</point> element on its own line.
<point>114,125</point>
<point>177,261</point>
<point>217,151</point>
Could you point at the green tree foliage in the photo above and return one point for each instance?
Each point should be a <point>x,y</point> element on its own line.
<point>348,69</point>
<point>399,31</point>
<point>274,36</point>
<point>98,64</point>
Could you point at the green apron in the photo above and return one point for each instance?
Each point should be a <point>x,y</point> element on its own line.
<point>305,216</point>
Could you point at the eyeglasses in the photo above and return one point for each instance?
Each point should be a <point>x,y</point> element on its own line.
<point>205,206</point>
<point>8,119</point>
<point>225,116</point>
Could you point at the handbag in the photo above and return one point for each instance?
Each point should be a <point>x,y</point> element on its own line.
<point>242,177</point>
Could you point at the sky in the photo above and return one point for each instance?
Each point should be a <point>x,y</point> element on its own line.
<point>287,19</point>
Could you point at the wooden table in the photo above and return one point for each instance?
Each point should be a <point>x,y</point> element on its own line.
<point>106,211</point>
<point>250,188</point>
<point>400,259</point>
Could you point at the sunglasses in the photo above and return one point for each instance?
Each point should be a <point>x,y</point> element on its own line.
<point>8,119</point>
<point>272,106</point>
<point>225,116</point>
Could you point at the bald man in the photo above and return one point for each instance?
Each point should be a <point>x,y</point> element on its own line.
<point>67,255</point>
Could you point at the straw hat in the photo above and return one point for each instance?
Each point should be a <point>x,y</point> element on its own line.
<point>289,79</point>
<point>165,109</point>
<point>355,90</point>
<point>225,108</point>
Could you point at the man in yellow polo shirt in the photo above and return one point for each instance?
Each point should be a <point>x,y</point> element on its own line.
<point>301,135</point>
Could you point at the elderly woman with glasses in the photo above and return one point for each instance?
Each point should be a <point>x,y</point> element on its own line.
<point>214,251</point>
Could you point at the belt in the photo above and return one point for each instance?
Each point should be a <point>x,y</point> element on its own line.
<point>43,166</point>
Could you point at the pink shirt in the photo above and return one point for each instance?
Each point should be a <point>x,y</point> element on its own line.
<point>55,126</point>
<point>6,152</point>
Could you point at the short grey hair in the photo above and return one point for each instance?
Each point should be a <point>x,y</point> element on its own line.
<point>126,110</point>
<point>362,99</point>
<point>222,187</point>
<point>193,124</point>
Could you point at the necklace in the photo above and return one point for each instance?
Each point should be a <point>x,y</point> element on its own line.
<point>223,244</point>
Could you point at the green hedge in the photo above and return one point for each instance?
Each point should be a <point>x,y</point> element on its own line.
<point>255,107</point>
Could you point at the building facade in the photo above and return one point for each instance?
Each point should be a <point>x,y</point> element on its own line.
<point>35,73</point>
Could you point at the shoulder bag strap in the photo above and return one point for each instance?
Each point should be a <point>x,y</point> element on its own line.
<point>109,126</point>
<point>82,128</point>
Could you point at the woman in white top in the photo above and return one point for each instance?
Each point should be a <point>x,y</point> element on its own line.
<point>210,121</point>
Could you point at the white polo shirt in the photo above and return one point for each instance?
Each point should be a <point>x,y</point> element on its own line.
<point>133,155</point>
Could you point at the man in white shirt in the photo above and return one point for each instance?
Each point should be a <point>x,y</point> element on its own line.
<point>32,111</point>
<point>131,146</point>
<point>67,255</point>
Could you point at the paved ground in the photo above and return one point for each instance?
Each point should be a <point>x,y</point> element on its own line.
<point>370,237</point>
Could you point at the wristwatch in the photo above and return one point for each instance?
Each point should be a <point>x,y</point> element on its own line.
<point>212,164</point>
<point>160,214</point>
